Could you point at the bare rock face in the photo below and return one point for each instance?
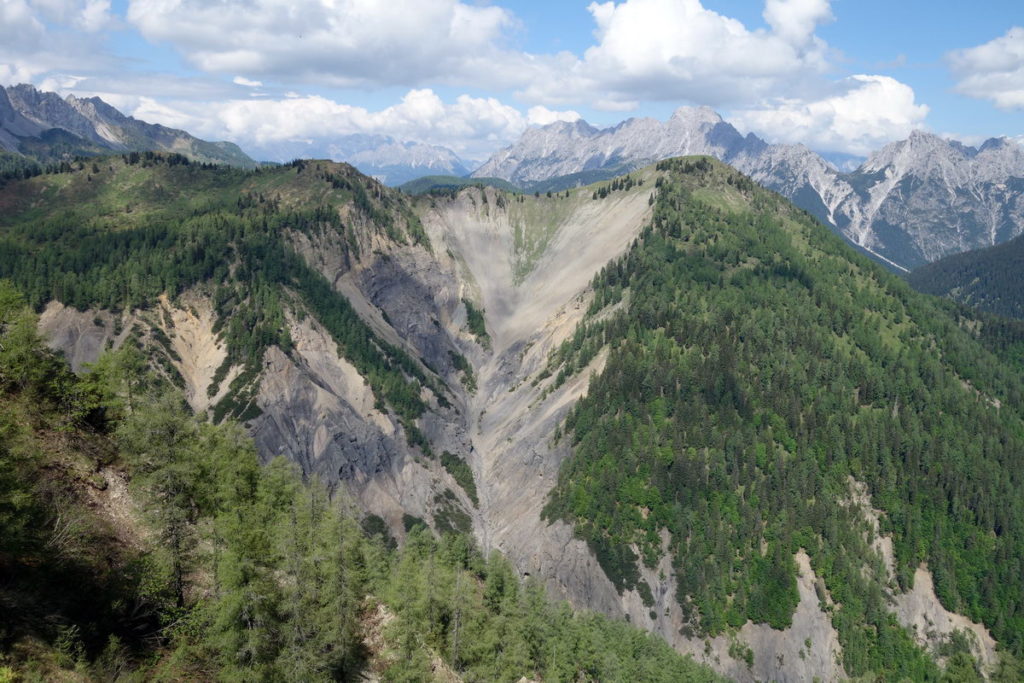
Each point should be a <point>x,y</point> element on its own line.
<point>317,410</point>
<point>808,649</point>
<point>80,335</point>
<point>532,302</point>
<point>919,609</point>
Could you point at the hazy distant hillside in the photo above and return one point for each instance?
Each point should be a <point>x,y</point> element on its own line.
<point>391,161</point>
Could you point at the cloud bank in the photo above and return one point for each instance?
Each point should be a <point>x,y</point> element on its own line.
<point>775,78</point>
<point>993,71</point>
<point>473,127</point>
<point>865,113</point>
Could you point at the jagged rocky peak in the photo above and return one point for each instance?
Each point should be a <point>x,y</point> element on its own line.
<point>49,110</point>
<point>762,161</point>
<point>93,108</point>
<point>927,155</point>
<point>1001,158</point>
<point>695,116</point>
<point>103,118</point>
<point>922,153</point>
<point>905,224</point>
<point>577,127</point>
<point>13,123</point>
<point>7,111</point>
<point>564,148</point>
<point>1000,144</point>
<point>560,130</point>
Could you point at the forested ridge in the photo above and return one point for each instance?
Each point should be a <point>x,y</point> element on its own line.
<point>209,566</point>
<point>758,370</point>
<point>987,279</point>
<point>116,233</point>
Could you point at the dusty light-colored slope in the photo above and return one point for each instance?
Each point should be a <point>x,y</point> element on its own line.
<point>317,410</point>
<point>509,422</point>
<point>512,418</point>
<point>578,237</point>
<point>919,608</point>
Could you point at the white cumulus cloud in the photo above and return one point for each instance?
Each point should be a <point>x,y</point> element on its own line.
<point>866,113</point>
<point>19,25</point>
<point>256,53</point>
<point>43,36</point>
<point>679,49</point>
<point>94,15</point>
<point>795,20</point>
<point>242,80</point>
<point>644,49</point>
<point>992,71</point>
<point>471,126</point>
<point>542,116</point>
<point>340,42</point>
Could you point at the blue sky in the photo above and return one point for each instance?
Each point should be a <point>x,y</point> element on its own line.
<point>839,75</point>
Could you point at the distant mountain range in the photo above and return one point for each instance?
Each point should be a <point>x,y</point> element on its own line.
<point>48,127</point>
<point>910,203</point>
<point>391,161</point>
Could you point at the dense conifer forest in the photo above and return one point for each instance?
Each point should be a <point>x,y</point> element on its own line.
<point>758,370</point>
<point>986,279</point>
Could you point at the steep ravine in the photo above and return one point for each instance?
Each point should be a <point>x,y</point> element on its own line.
<point>513,420</point>
<point>316,409</point>
<point>527,264</point>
